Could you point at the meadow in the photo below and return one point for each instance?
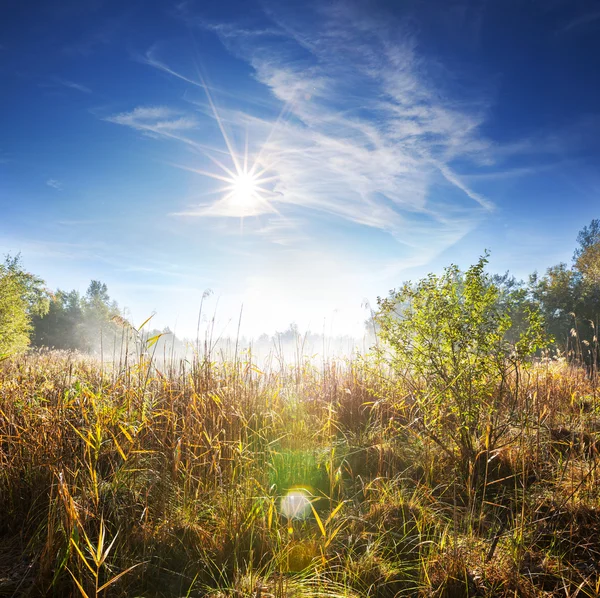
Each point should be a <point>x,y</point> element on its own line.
<point>308,378</point>
<point>221,477</point>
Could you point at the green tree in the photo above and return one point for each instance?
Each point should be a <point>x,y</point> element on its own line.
<point>570,297</point>
<point>516,299</point>
<point>453,341</point>
<point>99,329</point>
<point>62,326</point>
<point>79,323</point>
<point>559,297</point>
<point>587,265</point>
<point>589,240</point>
<point>97,294</point>
<point>22,296</point>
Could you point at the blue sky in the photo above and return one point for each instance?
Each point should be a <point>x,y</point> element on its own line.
<point>376,141</point>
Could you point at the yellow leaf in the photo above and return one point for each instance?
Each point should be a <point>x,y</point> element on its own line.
<point>90,444</point>
<point>100,547</point>
<point>334,513</point>
<point>334,534</point>
<point>111,581</point>
<point>82,557</point>
<point>118,446</point>
<point>145,322</point>
<point>153,340</point>
<point>126,433</point>
<point>78,584</point>
<point>319,522</point>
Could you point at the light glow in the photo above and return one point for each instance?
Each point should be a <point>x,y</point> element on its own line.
<point>245,188</point>
<point>245,193</point>
<point>296,504</point>
<point>244,196</point>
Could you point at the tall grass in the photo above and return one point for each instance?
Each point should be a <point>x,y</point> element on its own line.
<point>162,478</point>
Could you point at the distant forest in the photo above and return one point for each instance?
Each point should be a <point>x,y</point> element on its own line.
<point>31,315</point>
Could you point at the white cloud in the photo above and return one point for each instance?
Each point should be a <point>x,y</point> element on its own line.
<point>154,119</point>
<point>54,184</point>
<point>73,85</point>
<point>364,136</point>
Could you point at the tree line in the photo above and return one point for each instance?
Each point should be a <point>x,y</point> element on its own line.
<point>567,297</point>
<point>33,315</point>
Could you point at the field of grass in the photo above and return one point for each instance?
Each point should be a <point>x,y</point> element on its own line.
<point>225,479</point>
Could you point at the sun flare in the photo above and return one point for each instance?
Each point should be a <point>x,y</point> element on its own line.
<point>244,194</point>
<point>249,183</point>
<point>244,189</point>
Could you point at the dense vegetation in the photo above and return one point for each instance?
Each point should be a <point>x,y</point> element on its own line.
<point>459,458</point>
<point>221,479</point>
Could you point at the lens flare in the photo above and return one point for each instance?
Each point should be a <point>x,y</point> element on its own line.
<point>296,504</point>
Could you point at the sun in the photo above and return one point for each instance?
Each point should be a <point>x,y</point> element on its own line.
<point>245,189</point>
<point>249,188</point>
<point>244,194</point>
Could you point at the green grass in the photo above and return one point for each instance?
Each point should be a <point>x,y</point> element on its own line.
<point>142,482</point>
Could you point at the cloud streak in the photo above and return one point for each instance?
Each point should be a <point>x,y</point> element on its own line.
<point>364,136</point>
<point>154,119</point>
<point>73,85</point>
<point>582,21</point>
<point>54,184</point>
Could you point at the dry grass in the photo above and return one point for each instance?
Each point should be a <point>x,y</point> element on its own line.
<point>140,481</point>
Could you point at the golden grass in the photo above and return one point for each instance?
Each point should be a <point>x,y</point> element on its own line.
<point>150,481</point>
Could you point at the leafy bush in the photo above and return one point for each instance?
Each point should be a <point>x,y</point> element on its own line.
<point>454,343</point>
<point>21,296</point>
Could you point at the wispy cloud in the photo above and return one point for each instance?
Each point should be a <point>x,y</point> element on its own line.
<point>54,184</point>
<point>453,178</point>
<point>73,85</point>
<point>283,231</point>
<point>154,119</point>
<point>515,172</point>
<point>364,135</point>
<point>582,21</point>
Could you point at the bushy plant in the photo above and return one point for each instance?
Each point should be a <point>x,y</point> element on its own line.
<point>453,342</point>
<point>22,295</point>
